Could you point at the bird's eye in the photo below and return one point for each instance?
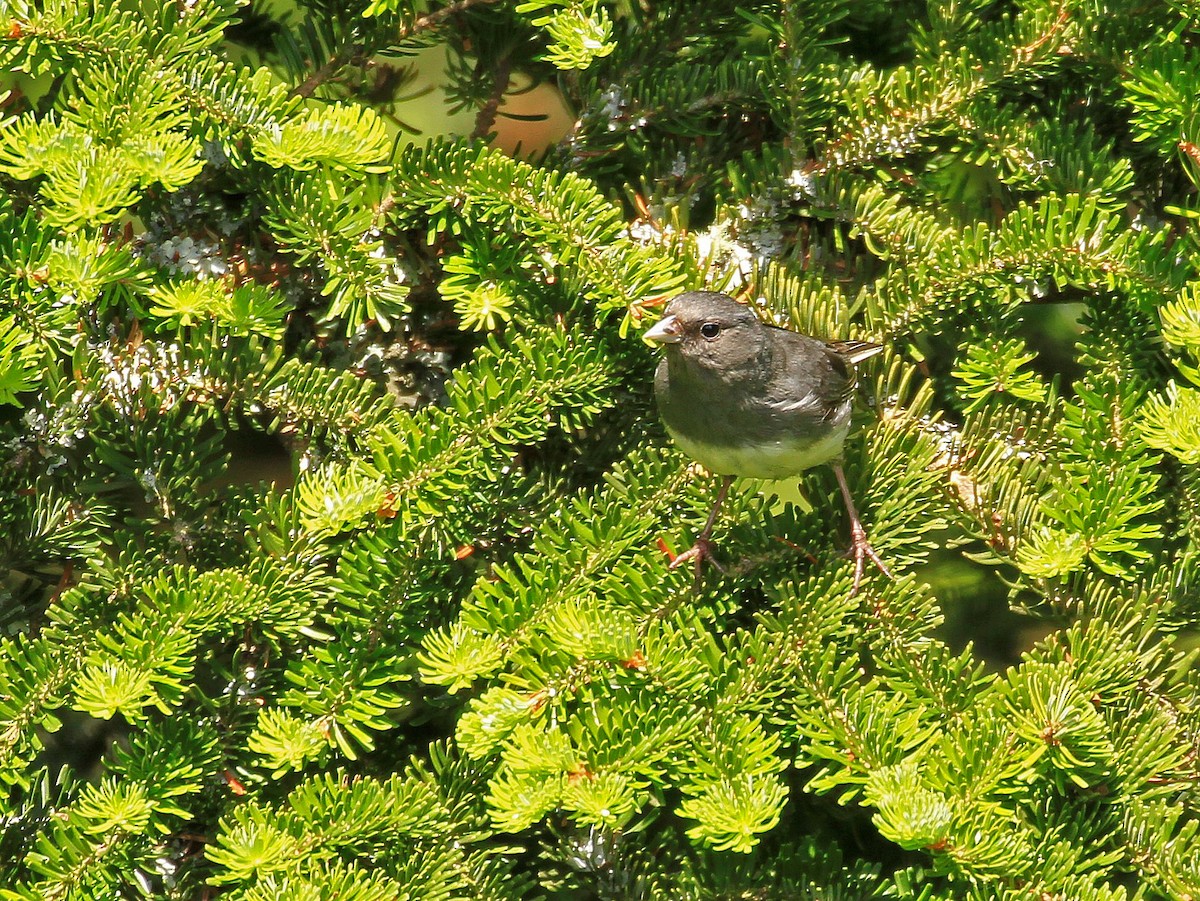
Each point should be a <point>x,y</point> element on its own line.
<point>710,330</point>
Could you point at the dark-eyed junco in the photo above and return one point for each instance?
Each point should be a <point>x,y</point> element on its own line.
<point>744,398</point>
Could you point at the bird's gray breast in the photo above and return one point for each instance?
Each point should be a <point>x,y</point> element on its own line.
<point>751,422</point>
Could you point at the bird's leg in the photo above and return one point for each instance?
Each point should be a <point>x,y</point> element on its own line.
<point>859,546</point>
<point>701,550</point>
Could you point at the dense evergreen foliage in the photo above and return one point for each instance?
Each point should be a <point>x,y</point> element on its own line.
<point>438,652</point>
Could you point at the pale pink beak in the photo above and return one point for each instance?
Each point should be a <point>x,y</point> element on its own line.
<point>667,330</point>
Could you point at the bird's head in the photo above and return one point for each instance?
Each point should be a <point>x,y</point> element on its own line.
<point>709,329</point>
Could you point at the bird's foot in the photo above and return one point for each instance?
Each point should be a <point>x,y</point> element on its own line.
<point>862,550</point>
<point>699,552</point>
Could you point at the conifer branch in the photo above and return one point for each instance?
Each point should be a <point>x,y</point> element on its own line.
<point>463,590</point>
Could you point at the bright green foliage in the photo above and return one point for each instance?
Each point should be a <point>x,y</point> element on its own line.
<point>557,219</point>
<point>335,516</point>
<point>579,33</point>
<point>998,369</point>
<point>19,358</point>
<point>1172,424</point>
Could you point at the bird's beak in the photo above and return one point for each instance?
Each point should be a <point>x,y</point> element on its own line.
<point>666,331</point>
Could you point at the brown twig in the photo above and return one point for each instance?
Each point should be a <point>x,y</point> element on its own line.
<point>435,18</point>
<point>486,117</point>
<point>344,57</point>
<point>1191,151</point>
<point>323,74</point>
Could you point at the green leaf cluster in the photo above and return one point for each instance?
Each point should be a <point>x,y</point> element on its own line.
<point>336,521</point>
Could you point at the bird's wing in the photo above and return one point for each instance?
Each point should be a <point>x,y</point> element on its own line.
<point>807,403</point>
<point>855,351</point>
<point>810,377</point>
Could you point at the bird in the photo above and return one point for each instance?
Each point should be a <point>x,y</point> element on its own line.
<point>745,398</point>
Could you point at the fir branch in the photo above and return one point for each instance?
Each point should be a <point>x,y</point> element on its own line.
<point>1068,239</point>
<point>34,673</point>
<point>506,399</point>
<point>900,109</point>
<point>579,232</point>
<point>1002,197</point>
<point>439,17</point>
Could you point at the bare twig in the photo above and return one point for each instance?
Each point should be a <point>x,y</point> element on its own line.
<point>486,117</point>
<point>354,51</point>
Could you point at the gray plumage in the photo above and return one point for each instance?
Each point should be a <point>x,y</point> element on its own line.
<point>746,398</point>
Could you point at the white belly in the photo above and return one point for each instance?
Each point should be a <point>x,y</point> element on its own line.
<point>772,460</point>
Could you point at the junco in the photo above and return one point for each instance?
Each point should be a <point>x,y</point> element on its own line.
<point>744,398</point>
